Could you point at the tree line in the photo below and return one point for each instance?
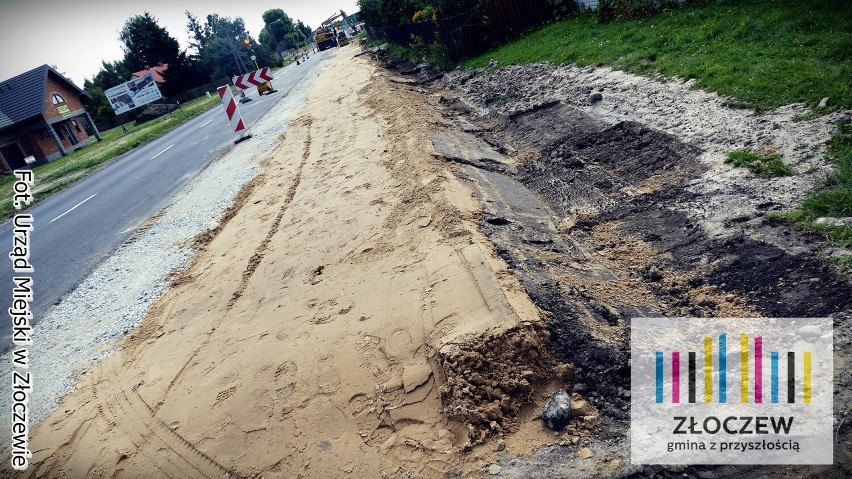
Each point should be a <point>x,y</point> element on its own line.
<point>219,47</point>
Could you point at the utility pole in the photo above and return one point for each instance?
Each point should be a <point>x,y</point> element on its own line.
<point>239,61</point>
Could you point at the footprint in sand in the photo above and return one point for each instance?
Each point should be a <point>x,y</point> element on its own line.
<point>358,404</point>
<point>285,371</point>
<point>398,344</point>
<point>328,311</point>
<point>321,419</point>
<point>224,395</point>
<point>262,404</point>
<point>373,359</point>
<point>328,382</point>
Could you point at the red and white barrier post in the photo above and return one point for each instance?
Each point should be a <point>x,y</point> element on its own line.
<point>233,112</point>
<point>262,79</point>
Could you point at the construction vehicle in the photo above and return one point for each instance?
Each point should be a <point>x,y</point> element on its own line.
<point>324,39</point>
<point>326,34</point>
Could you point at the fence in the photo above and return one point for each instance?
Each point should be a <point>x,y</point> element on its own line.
<point>468,27</point>
<point>401,35</point>
<point>474,26</point>
<point>182,97</point>
<point>196,92</point>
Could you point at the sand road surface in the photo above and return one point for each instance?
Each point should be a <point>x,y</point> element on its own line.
<point>328,327</point>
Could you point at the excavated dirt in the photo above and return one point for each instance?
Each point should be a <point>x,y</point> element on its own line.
<point>638,216</point>
<point>487,382</point>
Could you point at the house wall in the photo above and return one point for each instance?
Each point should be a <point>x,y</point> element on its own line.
<point>51,111</point>
<point>81,135</point>
<point>39,144</point>
<point>59,86</point>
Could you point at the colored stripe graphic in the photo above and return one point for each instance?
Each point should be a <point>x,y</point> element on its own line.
<point>723,368</point>
<point>807,374</point>
<point>708,369</point>
<point>758,369</point>
<point>659,376</point>
<point>757,357</point>
<point>744,368</point>
<point>231,108</point>
<point>774,376</point>
<point>791,377</point>
<point>692,376</point>
<point>676,377</point>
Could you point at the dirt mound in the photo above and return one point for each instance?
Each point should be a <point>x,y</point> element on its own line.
<point>490,379</point>
<point>155,111</point>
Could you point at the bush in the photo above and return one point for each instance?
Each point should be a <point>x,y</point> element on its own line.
<point>612,9</point>
<point>427,13</point>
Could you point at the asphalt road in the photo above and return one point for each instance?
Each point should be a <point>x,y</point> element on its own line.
<point>79,227</point>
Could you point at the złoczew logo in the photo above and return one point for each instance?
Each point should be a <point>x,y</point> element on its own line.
<point>731,391</point>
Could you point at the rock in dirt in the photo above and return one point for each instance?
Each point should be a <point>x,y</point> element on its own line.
<point>404,81</point>
<point>557,411</point>
<point>581,407</point>
<point>585,453</point>
<point>595,97</point>
<point>825,220</point>
<point>565,372</point>
<point>494,469</point>
<point>823,103</point>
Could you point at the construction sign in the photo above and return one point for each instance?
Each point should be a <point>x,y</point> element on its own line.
<point>231,108</point>
<point>255,78</point>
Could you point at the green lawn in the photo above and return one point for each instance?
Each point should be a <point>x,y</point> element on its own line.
<point>763,54</point>
<point>61,173</point>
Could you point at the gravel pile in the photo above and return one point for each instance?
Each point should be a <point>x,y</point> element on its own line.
<point>116,296</point>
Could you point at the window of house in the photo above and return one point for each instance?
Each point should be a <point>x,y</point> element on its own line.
<point>76,125</point>
<point>56,98</point>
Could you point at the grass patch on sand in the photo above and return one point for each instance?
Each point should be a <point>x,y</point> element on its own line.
<point>765,165</point>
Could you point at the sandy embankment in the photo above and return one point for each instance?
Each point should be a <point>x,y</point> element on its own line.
<point>310,335</point>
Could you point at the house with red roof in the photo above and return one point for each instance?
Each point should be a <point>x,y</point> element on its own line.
<point>156,72</point>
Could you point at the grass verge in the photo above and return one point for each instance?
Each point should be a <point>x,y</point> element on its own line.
<point>762,54</point>
<point>831,199</point>
<point>762,164</point>
<point>59,174</point>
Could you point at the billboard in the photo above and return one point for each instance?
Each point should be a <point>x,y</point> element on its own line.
<point>133,94</point>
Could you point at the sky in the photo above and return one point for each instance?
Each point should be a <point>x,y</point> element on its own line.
<point>75,35</point>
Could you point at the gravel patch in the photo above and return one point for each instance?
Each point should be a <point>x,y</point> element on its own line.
<point>117,295</point>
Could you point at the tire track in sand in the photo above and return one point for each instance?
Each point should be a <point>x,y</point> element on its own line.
<point>155,443</point>
<point>127,410</point>
<point>256,258</point>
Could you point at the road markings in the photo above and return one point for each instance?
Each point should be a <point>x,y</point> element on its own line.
<point>205,123</point>
<point>72,208</point>
<point>164,150</point>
